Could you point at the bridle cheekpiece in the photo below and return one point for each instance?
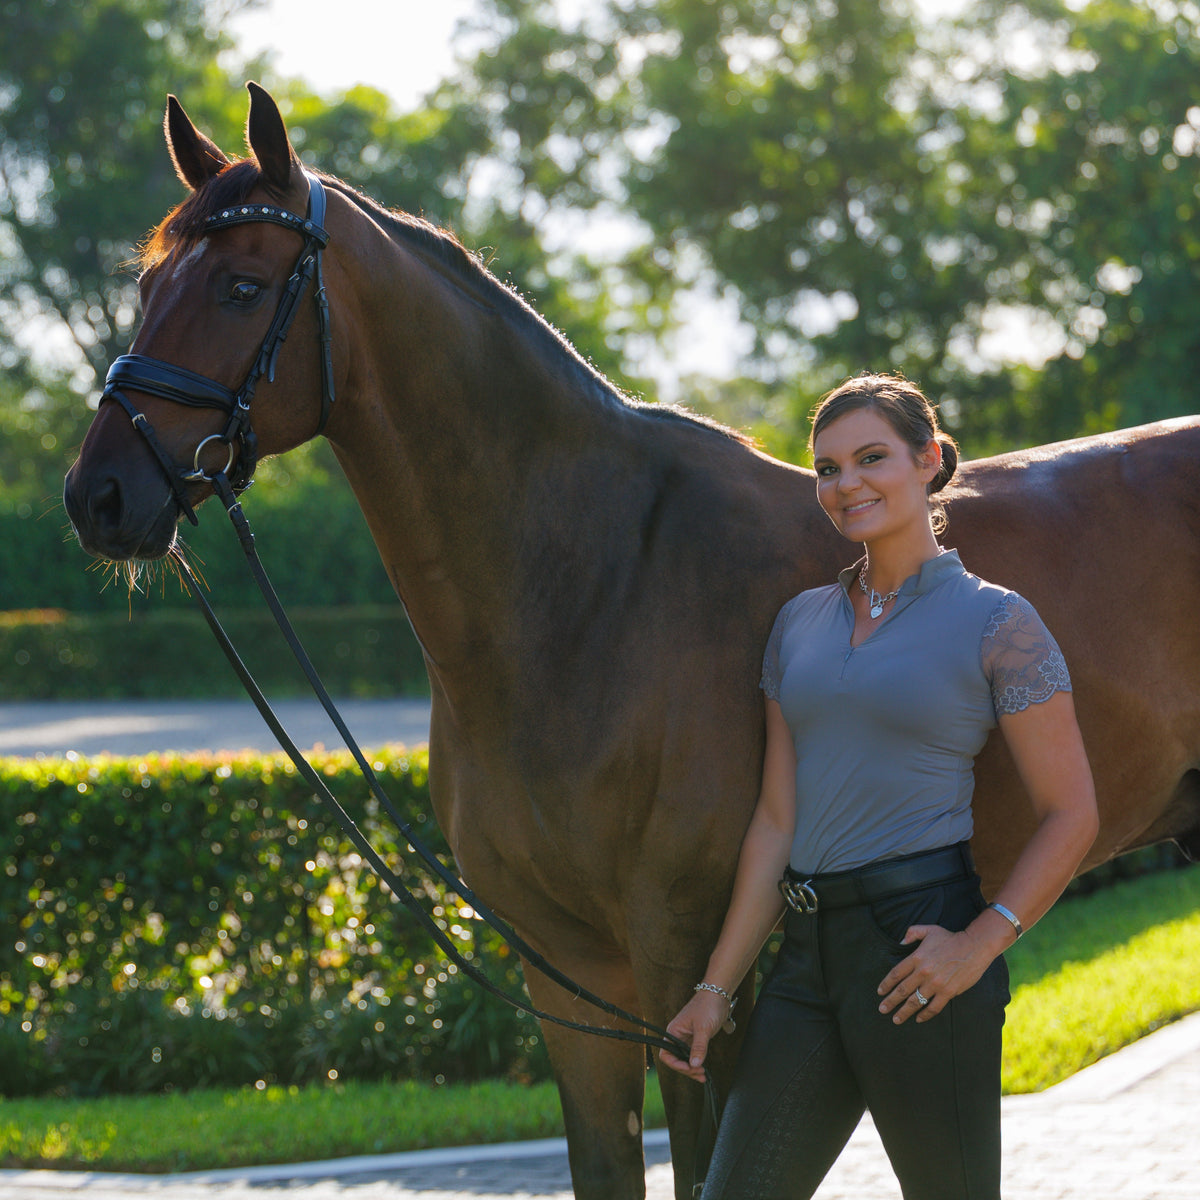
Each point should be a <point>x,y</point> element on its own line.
<point>142,373</point>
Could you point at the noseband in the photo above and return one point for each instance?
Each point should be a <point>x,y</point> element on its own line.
<point>141,373</point>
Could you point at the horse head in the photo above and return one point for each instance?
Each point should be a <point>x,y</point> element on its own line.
<point>223,277</point>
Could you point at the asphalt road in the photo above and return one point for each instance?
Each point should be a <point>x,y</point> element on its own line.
<point>125,728</point>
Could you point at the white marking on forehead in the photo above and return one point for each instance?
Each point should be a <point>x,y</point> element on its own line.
<point>194,253</point>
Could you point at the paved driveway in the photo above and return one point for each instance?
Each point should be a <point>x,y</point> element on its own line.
<point>130,727</point>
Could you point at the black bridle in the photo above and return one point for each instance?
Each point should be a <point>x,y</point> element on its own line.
<point>141,373</point>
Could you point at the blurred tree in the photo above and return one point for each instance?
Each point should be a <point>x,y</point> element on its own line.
<point>82,168</point>
<point>788,146</point>
<point>1099,177</point>
<point>871,188</point>
<point>84,173</point>
<point>965,200</point>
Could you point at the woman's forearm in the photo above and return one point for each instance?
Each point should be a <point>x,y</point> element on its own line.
<point>1048,750</point>
<point>1042,872</point>
<point>755,904</point>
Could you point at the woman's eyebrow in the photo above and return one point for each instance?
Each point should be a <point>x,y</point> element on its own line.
<point>860,450</point>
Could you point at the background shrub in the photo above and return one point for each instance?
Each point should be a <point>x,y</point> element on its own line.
<point>166,653</point>
<point>309,532</point>
<point>180,921</point>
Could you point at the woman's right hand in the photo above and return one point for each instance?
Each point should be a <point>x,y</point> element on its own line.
<point>696,1023</point>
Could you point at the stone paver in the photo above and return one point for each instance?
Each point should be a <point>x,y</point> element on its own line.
<point>1124,1129</point>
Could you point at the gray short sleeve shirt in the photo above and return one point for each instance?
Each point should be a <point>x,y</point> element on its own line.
<point>886,732</point>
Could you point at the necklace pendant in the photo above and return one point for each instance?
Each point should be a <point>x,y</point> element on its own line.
<point>875,600</point>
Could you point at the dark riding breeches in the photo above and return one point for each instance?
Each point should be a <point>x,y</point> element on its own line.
<point>818,1051</point>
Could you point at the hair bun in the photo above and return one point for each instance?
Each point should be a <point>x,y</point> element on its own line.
<point>949,461</point>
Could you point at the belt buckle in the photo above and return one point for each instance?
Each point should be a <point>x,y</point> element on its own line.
<point>800,896</point>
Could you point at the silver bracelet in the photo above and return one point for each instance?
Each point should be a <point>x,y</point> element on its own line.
<point>1009,916</point>
<point>730,1024</point>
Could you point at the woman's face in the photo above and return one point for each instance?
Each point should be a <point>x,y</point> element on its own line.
<point>868,482</point>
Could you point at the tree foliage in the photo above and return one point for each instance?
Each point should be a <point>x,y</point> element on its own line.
<point>885,191</point>
<point>1100,178</point>
<point>84,173</point>
<point>82,169</point>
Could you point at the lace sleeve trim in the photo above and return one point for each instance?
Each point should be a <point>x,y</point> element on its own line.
<point>771,672</point>
<point>1020,657</point>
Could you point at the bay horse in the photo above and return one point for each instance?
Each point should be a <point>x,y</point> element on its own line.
<point>592,580</point>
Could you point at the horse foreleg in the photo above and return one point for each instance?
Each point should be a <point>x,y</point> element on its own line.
<point>601,1084</point>
<point>692,1123</point>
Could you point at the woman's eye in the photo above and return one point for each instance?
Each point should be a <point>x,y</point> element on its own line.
<point>826,469</point>
<point>870,458</point>
<point>244,292</point>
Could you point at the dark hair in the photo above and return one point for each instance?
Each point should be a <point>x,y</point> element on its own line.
<point>907,410</point>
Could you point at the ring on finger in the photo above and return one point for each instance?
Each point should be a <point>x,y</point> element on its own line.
<point>921,1000</point>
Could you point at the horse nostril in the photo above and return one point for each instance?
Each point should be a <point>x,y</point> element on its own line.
<point>104,505</point>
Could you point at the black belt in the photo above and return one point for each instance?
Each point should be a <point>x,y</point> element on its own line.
<point>841,889</point>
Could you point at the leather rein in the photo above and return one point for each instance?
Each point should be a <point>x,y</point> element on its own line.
<point>146,374</point>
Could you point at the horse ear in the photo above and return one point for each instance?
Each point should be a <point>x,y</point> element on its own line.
<point>197,159</point>
<point>267,137</point>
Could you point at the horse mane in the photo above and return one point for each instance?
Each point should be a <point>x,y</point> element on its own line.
<point>184,225</point>
<point>467,269</point>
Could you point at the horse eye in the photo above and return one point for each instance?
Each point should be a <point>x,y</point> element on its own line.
<point>243,292</point>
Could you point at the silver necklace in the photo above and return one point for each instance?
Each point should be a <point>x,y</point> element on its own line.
<point>874,599</point>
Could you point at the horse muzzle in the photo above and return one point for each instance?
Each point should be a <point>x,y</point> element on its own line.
<point>121,516</point>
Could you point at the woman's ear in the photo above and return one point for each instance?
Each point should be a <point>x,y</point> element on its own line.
<point>930,459</point>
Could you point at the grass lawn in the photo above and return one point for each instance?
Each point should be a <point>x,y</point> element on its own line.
<point>1096,974</point>
<point>212,1129</point>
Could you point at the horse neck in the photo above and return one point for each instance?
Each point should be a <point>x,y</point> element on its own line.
<point>466,431</point>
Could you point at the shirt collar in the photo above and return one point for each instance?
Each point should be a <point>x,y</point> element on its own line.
<point>933,572</point>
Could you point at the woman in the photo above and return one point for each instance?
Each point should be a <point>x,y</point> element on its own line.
<point>890,985</point>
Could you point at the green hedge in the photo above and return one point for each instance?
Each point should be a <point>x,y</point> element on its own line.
<point>187,921</point>
<point>167,653</point>
<point>308,530</point>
